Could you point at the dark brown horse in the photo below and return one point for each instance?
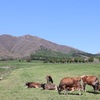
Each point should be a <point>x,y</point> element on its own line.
<point>49,79</point>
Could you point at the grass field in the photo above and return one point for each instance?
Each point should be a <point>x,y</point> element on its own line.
<point>16,74</point>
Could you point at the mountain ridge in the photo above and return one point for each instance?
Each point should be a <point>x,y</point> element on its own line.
<point>22,46</point>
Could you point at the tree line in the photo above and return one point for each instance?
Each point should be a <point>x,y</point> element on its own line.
<point>49,59</point>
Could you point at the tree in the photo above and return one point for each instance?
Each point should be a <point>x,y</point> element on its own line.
<point>91,59</point>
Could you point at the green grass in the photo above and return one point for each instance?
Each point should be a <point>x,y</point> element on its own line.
<point>12,87</point>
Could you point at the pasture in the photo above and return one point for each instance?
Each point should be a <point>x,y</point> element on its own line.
<point>12,86</point>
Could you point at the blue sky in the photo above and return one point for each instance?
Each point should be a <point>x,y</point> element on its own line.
<point>74,23</point>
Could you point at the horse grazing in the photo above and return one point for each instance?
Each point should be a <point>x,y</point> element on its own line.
<point>90,80</point>
<point>70,84</point>
<point>49,79</point>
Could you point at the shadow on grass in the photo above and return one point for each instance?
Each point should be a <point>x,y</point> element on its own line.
<point>93,92</point>
<point>70,94</point>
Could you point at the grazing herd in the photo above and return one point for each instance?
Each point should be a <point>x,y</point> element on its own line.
<point>68,84</point>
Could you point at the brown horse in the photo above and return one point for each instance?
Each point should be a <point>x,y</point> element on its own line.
<point>48,86</point>
<point>33,85</point>
<point>90,80</point>
<point>70,84</point>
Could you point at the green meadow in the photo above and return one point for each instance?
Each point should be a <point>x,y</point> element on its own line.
<point>15,74</point>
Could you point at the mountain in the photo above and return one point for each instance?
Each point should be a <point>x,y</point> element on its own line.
<point>97,54</point>
<point>22,46</point>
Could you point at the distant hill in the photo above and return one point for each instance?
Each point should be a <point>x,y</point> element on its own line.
<point>22,46</point>
<point>98,54</point>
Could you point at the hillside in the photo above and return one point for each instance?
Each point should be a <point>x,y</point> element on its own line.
<point>16,47</point>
